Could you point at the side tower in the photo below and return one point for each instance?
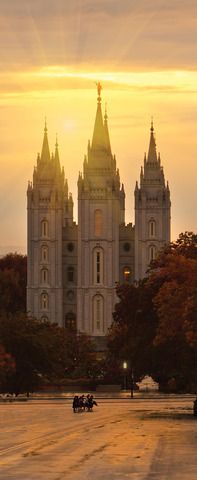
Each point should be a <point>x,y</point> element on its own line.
<point>152,211</point>
<point>45,209</point>
<point>100,213</point>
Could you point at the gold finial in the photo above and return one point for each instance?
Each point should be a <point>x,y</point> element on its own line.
<point>152,127</point>
<point>45,125</point>
<point>99,88</point>
<point>106,117</point>
<point>56,144</point>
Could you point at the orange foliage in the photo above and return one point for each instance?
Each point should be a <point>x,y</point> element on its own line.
<point>175,301</point>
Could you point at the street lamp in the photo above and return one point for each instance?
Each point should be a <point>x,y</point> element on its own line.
<point>125,374</point>
<point>132,383</point>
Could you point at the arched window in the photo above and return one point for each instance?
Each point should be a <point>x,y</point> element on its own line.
<point>70,321</point>
<point>98,314</point>
<point>44,254</point>
<point>127,274</point>
<point>98,223</point>
<point>98,266</point>
<point>44,319</point>
<point>70,274</point>
<point>44,275</point>
<point>44,301</point>
<point>152,228</point>
<point>44,228</point>
<point>152,253</point>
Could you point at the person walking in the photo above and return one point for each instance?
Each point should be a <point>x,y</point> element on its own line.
<point>75,404</point>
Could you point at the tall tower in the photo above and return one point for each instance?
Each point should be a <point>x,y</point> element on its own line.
<point>100,213</point>
<point>45,211</point>
<point>152,211</point>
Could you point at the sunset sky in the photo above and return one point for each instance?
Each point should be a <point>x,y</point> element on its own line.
<point>144,52</point>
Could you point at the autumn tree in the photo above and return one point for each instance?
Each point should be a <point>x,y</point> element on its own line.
<point>172,283</point>
<point>155,322</point>
<point>185,245</point>
<point>174,280</point>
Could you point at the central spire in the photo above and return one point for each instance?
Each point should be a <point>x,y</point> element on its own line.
<point>152,152</point>
<point>99,135</point>
<point>45,155</point>
<point>99,88</point>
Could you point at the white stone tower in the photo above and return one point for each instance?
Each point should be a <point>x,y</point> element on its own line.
<point>152,211</point>
<point>45,207</point>
<point>100,214</point>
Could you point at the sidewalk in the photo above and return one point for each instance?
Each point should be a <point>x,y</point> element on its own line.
<point>120,396</point>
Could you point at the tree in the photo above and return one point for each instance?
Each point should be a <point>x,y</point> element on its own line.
<point>43,352</point>
<point>173,286</point>
<point>13,281</point>
<point>7,367</point>
<point>132,332</point>
<point>175,300</point>
<point>155,322</point>
<point>185,245</point>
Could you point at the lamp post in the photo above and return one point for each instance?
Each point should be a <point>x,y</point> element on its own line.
<point>125,374</point>
<point>132,383</point>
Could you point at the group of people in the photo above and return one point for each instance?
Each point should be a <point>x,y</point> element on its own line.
<point>82,403</point>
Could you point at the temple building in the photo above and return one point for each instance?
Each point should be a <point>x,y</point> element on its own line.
<point>73,269</point>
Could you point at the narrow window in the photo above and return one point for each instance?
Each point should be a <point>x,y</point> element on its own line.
<point>152,253</point>
<point>70,321</point>
<point>44,275</point>
<point>44,254</point>
<point>152,228</point>
<point>44,228</point>
<point>44,301</point>
<point>98,266</point>
<point>70,274</point>
<point>98,314</point>
<point>98,223</point>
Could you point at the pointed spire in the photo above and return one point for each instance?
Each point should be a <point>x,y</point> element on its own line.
<point>99,135</point>
<point>152,153</point>
<point>57,160</point>
<point>66,188</point>
<point>99,88</point>
<point>106,130</point>
<point>45,155</point>
<point>141,175</point>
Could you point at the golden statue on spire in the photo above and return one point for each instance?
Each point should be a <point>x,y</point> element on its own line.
<point>99,88</point>
<point>152,125</point>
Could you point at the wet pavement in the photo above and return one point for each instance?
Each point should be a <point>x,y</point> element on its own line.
<point>139,439</point>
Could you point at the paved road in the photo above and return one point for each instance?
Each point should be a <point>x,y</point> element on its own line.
<point>130,439</point>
